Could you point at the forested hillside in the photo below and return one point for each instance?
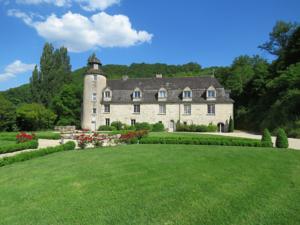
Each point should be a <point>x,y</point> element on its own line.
<point>267,95</point>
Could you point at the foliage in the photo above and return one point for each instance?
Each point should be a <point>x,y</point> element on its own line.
<point>83,140</point>
<point>7,115</point>
<point>200,141</point>
<point>142,126</point>
<point>34,117</point>
<point>33,144</point>
<point>281,139</point>
<point>196,128</point>
<point>24,137</point>
<point>118,125</point>
<point>266,138</point>
<point>158,127</point>
<point>132,137</point>
<point>23,156</point>
<point>231,125</point>
<point>106,128</point>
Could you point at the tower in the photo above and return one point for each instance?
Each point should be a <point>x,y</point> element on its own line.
<point>94,84</point>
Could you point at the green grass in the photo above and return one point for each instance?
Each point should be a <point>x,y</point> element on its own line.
<point>154,184</point>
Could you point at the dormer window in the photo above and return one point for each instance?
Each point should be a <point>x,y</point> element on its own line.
<point>162,94</point>
<point>187,94</point>
<point>211,93</point>
<point>107,94</point>
<point>137,94</point>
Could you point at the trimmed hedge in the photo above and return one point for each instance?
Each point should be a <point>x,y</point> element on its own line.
<point>158,127</point>
<point>196,128</point>
<point>18,147</point>
<point>70,145</point>
<point>281,139</point>
<point>106,128</point>
<point>266,138</point>
<point>200,141</point>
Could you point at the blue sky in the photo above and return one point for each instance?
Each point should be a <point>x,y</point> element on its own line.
<point>210,32</point>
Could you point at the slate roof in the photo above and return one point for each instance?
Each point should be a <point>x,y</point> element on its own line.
<point>122,89</point>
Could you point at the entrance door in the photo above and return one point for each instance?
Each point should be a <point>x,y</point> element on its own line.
<point>172,126</point>
<point>221,127</point>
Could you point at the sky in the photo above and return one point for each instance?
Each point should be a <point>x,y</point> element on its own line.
<point>209,32</point>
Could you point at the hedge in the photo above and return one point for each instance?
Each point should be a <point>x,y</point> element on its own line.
<point>196,128</point>
<point>200,141</point>
<point>70,145</point>
<point>18,147</point>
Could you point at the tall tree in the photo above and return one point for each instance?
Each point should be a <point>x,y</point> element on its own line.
<point>7,115</point>
<point>35,85</point>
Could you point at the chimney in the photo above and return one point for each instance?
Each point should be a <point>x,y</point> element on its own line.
<point>159,75</point>
<point>125,77</point>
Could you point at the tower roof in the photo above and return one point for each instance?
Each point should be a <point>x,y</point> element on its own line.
<point>94,60</point>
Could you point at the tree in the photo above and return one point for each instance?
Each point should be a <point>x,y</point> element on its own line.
<point>35,85</point>
<point>34,116</point>
<point>7,115</point>
<point>279,37</point>
<point>281,139</point>
<point>231,125</point>
<point>266,138</point>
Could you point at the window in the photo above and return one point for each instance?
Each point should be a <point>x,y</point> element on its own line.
<point>162,94</point>
<point>95,77</point>
<point>162,109</point>
<point>136,94</point>
<point>211,109</point>
<point>107,94</point>
<point>187,94</point>
<point>211,94</point>
<point>133,122</point>
<point>94,97</point>
<point>107,122</point>
<point>184,123</point>
<point>136,108</point>
<point>94,110</point>
<point>187,109</point>
<point>106,108</point>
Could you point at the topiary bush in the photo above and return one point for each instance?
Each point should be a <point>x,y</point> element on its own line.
<point>158,127</point>
<point>281,139</point>
<point>18,147</point>
<point>266,139</point>
<point>231,125</point>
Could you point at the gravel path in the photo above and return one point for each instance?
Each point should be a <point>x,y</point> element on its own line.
<point>294,143</point>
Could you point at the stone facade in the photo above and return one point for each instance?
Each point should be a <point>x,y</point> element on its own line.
<point>199,100</point>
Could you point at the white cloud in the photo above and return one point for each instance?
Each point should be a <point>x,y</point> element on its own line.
<point>88,5</point>
<point>93,5</point>
<point>79,33</point>
<point>58,3</point>
<point>15,68</point>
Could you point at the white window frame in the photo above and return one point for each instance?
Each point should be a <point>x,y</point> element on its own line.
<point>133,122</point>
<point>107,94</point>
<point>135,107</point>
<point>106,108</point>
<point>211,109</point>
<point>107,121</point>
<point>187,109</point>
<point>162,109</point>
<point>94,97</point>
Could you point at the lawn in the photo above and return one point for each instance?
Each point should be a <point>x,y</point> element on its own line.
<point>154,184</point>
<point>11,136</point>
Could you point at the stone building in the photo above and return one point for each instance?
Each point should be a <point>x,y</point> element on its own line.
<point>190,100</point>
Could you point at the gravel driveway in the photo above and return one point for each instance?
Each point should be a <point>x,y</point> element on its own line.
<point>294,143</point>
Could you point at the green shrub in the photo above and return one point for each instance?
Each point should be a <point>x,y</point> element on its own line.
<point>231,125</point>
<point>142,126</point>
<point>196,128</point>
<point>18,147</point>
<point>266,139</point>
<point>106,128</point>
<point>281,139</point>
<point>200,141</point>
<point>118,125</point>
<point>70,145</point>
<point>158,127</point>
